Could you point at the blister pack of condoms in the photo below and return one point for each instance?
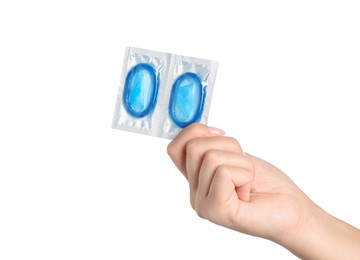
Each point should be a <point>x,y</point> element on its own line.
<point>162,93</point>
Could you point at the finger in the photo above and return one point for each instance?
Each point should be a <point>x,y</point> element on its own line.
<point>177,147</point>
<point>212,160</point>
<point>195,152</point>
<point>226,179</point>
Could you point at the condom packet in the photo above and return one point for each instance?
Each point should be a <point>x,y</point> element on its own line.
<point>162,93</point>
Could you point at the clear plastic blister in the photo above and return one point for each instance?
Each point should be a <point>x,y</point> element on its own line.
<point>123,117</point>
<point>192,103</point>
<point>161,93</point>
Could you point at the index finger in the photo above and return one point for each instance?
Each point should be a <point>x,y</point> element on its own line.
<point>177,147</point>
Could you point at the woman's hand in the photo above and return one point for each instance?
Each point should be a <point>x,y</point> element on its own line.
<point>247,194</point>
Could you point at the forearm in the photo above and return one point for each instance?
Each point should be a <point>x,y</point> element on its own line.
<point>322,236</point>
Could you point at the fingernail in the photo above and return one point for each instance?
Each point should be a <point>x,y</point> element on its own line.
<point>216,131</point>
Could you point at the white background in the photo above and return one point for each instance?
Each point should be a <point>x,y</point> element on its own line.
<point>73,188</point>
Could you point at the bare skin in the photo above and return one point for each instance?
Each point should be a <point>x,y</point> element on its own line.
<point>247,194</point>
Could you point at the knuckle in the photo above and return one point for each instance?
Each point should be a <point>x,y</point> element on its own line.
<point>200,214</point>
<point>192,204</point>
<point>248,164</point>
<point>192,146</point>
<point>193,131</point>
<point>192,201</point>
<point>201,210</point>
<point>246,176</point>
<point>249,174</point>
<point>211,156</point>
<point>171,149</point>
<point>233,143</point>
<point>222,171</point>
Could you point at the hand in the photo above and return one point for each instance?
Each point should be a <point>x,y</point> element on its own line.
<point>234,189</point>
<point>247,194</point>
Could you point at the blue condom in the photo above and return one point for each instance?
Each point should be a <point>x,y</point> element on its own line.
<point>187,100</point>
<point>140,91</point>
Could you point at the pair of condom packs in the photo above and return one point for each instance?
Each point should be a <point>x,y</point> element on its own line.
<point>162,93</point>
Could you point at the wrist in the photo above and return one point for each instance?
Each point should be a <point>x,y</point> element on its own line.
<point>307,239</point>
<point>321,236</point>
